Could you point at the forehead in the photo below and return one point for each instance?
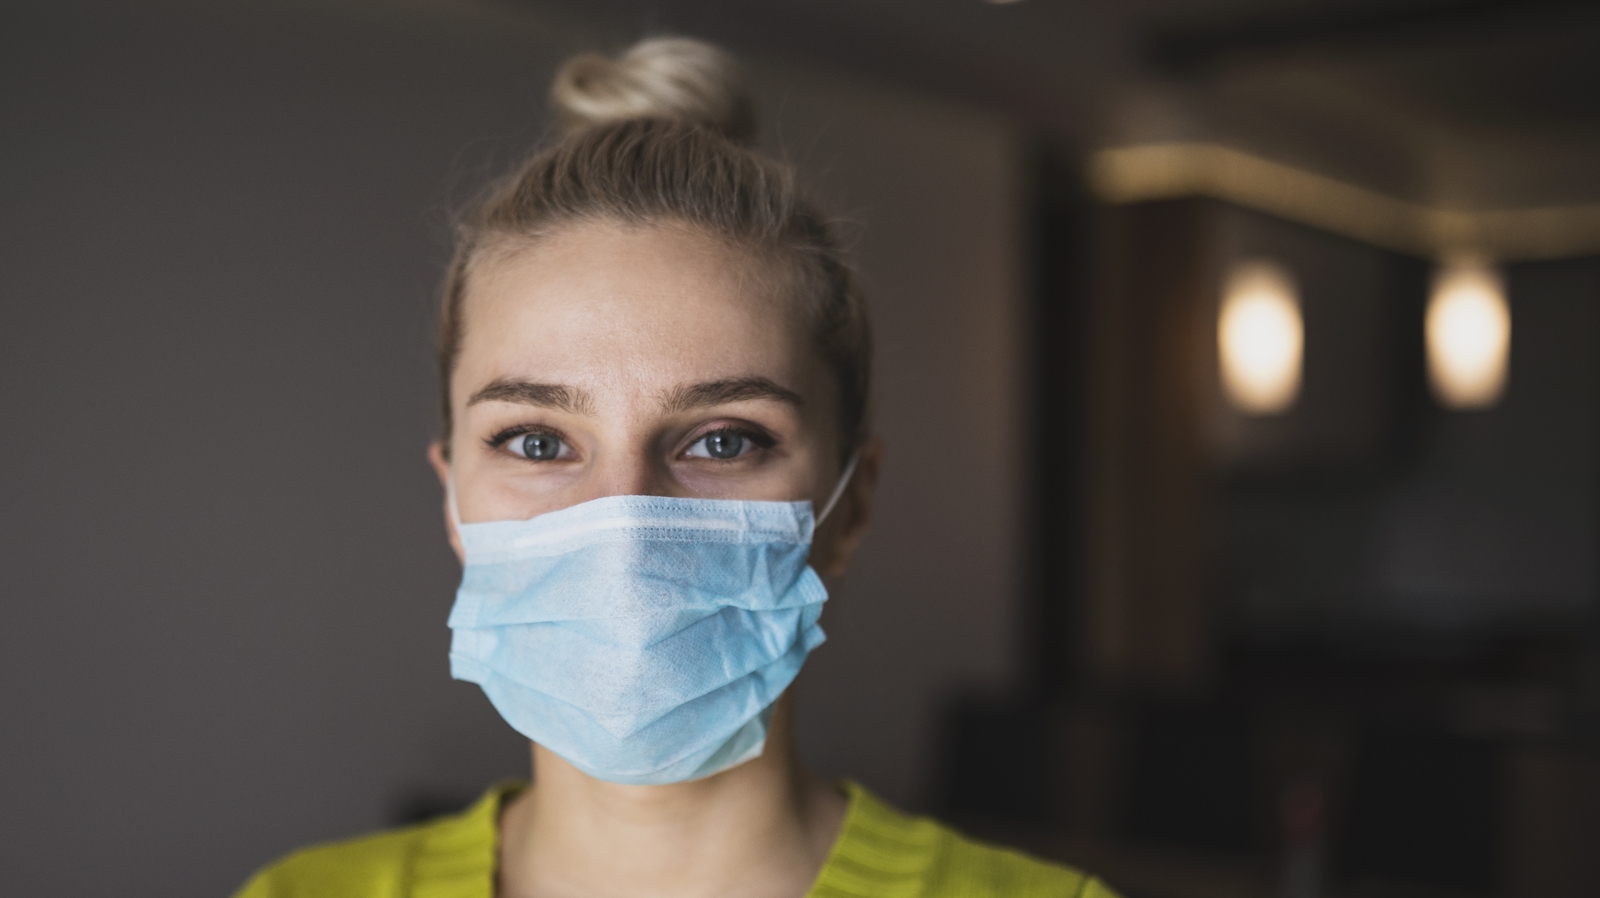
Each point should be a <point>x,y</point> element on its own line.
<point>604,305</point>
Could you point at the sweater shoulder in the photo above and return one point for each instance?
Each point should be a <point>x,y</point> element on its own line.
<point>882,852</point>
<point>967,868</point>
<point>370,866</point>
<point>452,856</point>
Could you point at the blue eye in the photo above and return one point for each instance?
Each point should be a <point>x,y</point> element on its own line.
<point>722,444</point>
<point>537,446</point>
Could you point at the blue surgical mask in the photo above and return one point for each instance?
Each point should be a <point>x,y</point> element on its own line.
<point>644,639</point>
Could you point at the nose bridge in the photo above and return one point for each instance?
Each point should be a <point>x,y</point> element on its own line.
<point>629,466</point>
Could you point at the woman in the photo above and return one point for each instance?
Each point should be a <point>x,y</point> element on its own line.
<point>655,367</point>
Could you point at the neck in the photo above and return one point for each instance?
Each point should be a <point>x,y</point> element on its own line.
<point>763,828</point>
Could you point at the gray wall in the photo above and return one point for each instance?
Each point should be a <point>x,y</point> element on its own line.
<point>222,575</point>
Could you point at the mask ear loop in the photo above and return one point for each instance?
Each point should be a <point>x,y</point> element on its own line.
<point>838,491</point>
<point>450,499</point>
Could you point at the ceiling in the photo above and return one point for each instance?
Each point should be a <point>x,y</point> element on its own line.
<point>1456,104</point>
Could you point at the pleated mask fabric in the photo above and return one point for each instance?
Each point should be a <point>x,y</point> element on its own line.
<point>644,639</point>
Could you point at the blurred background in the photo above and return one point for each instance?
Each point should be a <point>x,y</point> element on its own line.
<point>1239,369</point>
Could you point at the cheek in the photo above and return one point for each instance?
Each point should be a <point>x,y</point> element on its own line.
<point>482,494</point>
<point>827,559</point>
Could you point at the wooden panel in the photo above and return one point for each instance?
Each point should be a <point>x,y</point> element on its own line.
<point>1148,605</point>
<point>1555,807</point>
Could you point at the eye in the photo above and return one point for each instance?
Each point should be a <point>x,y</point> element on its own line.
<point>721,444</point>
<point>536,446</point>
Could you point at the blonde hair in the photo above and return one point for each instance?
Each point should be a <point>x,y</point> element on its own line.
<point>661,135</point>
<point>660,78</point>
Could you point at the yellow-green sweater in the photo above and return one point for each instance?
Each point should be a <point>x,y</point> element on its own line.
<point>880,853</point>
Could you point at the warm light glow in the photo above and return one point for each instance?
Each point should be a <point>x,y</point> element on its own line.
<point>1469,336</point>
<point>1260,339</point>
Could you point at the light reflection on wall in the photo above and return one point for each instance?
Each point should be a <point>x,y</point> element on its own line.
<point>1260,339</point>
<point>1469,335</point>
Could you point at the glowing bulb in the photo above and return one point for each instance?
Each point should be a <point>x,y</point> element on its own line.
<point>1468,335</point>
<point>1260,339</point>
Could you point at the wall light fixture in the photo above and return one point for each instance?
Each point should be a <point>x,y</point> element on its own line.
<point>1468,335</point>
<point>1260,338</point>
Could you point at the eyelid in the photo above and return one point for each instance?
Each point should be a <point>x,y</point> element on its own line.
<point>756,434</point>
<point>759,438</point>
<point>762,437</point>
<point>501,437</point>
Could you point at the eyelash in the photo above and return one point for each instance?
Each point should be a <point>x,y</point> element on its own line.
<point>500,438</point>
<point>505,436</point>
<point>762,440</point>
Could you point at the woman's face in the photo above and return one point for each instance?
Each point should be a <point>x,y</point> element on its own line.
<point>606,360</point>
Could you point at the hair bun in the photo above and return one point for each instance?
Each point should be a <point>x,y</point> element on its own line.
<point>660,78</point>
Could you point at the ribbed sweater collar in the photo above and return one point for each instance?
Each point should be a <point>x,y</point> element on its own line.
<point>880,853</point>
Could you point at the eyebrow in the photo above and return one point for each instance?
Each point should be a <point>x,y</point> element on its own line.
<point>527,392</point>
<point>736,389</point>
<point>681,399</point>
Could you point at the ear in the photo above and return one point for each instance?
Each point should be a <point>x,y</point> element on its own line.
<point>840,535</point>
<point>441,467</point>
